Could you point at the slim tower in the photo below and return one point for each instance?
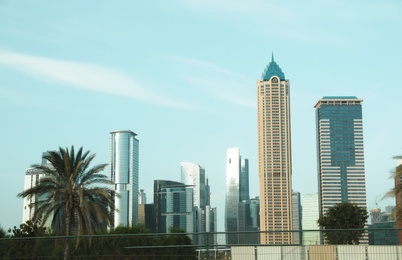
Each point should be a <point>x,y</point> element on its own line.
<point>232,194</point>
<point>237,195</point>
<point>341,174</point>
<point>124,157</point>
<point>274,156</point>
<point>194,175</point>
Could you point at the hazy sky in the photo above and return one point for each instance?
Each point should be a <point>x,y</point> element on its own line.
<point>182,75</point>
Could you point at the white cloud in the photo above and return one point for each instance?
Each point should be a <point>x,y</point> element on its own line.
<point>217,81</point>
<point>85,76</point>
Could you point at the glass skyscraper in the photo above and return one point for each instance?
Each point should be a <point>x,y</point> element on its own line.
<point>274,155</point>
<point>174,206</point>
<point>341,173</point>
<point>194,175</point>
<point>237,191</point>
<point>124,171</point>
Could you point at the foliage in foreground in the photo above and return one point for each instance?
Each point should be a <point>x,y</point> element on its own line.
<point>397,190</point>
<point>70,195</point>
<point>343,224</point>
<point>133,243</point>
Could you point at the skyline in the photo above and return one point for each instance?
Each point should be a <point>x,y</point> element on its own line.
<point>182,76</point>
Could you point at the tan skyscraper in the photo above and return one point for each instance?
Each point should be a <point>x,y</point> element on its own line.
<point>274,156</point>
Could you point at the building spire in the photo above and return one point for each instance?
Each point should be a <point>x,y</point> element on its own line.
<point>273,69</point>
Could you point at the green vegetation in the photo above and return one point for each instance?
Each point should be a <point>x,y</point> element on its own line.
<point>124,242</point>
<point>68,195</point>
<point>343,224</point>
<point>74,201</point>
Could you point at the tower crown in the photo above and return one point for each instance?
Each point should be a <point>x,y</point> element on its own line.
<point>273,69</point>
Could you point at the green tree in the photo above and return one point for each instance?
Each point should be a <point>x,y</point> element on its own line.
<point>28,229</point>
<point>71,196</point>
<point>2,232</point>
<point>343,224</point>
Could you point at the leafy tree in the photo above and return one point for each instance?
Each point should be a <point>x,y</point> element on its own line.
<point>343,224</point>
<point>182,244</point>
<point>2,232</point>
<point>28,229</point>
<point>69,196</point>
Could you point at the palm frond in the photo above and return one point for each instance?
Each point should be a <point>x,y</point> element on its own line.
<point>69,193</point>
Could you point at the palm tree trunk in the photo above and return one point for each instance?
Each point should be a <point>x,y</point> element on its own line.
<point>67,253</point>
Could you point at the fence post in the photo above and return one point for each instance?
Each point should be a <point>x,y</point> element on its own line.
<point>207,244</point>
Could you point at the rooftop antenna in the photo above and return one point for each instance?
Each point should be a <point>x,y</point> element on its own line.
<point>376,200</point>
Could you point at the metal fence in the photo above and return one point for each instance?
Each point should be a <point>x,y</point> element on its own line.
<point>209,246</point>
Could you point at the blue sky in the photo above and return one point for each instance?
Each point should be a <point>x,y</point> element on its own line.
<point>182,75</point>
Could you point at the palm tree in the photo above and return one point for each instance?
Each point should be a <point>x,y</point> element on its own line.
<point>397,193</point>
<point>70,196</point>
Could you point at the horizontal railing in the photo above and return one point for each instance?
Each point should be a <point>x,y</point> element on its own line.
<point>211,245</point>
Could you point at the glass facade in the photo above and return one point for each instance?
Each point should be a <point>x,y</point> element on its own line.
<point>194,175</point>
<point>244,193</point>
<point>237,204</point>
<point>173,202</point>
<point>341,172</point>
<point>124,172</point>
<point>296,217</point>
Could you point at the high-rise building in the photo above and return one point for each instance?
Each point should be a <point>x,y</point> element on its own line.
<point>193,174</point>
<point>310,216</point>
<point>146,216</point>
<point>340,149</point>
<point>174,206</point>
<point>124,172</point>
<point>31,179</point>
<point>244,187</point>
<point>237,202</point>
<point>255,212</point>
<point>142,197</point>
<point>274,156</point>
<point>297,218</point>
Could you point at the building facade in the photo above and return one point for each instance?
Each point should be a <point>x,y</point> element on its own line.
<point>124,172</point>
<point>296,218</point>
<point>238,214</point>
<point>31,179</point>
<point>146,216</point>
<point>341,172</point>
<point>310,215</point>
<point>274,156</point>
<point>174,206</point>
<point>194,175</point>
